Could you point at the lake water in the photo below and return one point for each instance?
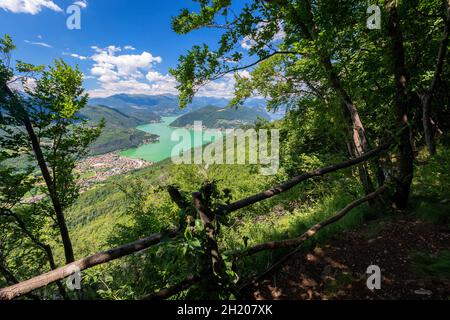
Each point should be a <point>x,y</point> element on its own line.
<point>161,150</point>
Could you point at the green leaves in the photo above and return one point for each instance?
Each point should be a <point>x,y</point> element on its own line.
<point>194,69</point>
<point>187,21</point>
<point>6,44</point>
<point>60,90</point>
<point>28,67</point>
<point>202,64</point>
<point>49,111</point>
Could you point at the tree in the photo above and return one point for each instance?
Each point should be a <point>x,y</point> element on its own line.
<point>427,94</point>
<point>41,129</point>
<point>314,51</point>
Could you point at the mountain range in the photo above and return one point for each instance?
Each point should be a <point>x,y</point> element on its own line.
<point>220,118</point>
<point>165,104</point>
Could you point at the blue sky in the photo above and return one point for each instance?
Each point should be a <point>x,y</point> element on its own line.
<point>124,46</point>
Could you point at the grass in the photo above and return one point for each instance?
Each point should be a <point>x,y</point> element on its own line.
<point>289,215</point>
<point>431,188</point>
<point>87,175</point>
<point>434,267</point>
<point>291,225</point>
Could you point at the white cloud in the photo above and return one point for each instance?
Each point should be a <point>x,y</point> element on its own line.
<point>135,74</point>
<point>247,43</point>
<point>28,6</point>
<point>82,3</point>
<point>154,76</point>
<point>132,86</point>
<point>110,66</point>
<point>222,88</point>
<point>125,73</point>
<point>77,56</point>
<point>41,44</point>
<point>131,48</point>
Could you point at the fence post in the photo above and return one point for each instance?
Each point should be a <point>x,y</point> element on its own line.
<point>217,264</point>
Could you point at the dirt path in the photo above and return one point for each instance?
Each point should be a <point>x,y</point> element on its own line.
<point>338,270</point>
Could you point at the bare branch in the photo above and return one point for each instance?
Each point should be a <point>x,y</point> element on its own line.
<point>220,75</point>
<point>295,181</point>
<point>169,292</point>
<point>41,281</point>
<point>292,243</point>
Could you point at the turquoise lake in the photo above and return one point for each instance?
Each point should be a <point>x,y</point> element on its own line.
<point>156,152</point>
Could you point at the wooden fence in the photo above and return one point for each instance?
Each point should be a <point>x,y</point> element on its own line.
<point>207,217</point>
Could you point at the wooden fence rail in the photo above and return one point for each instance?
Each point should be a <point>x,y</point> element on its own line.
<point>43,280</point>
<point>298,179</point>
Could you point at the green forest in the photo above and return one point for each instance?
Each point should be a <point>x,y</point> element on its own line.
<point>363,179</point>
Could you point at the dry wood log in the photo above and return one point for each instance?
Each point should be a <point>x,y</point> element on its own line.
<point>41,281</point>
<point>293,243</point>
<point>295,181</point>
<point>217,264</point>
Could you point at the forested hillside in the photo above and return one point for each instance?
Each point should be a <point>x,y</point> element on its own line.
<point>224,118</point>
<point>120,130</point>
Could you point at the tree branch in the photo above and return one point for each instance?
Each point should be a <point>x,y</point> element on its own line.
<point>169,292</point>
<point>292,243</point>
<point>28,286</point>
<point>220,75</point>
<point>295,181</point>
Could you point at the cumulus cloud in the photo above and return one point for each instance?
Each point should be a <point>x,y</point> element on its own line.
<point>22,84</point>
<point>128,73</point>
<point>28,6</point>
<point>132,86</point>
<point>222,88</point>
<point>135,74</point>
<point>126,66</point>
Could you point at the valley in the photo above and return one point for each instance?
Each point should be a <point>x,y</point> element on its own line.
<point>224,150</point>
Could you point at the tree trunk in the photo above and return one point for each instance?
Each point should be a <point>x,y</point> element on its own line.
<point>358,145</point>
<point>358,133</point>
<point>44,247</point>
<point>427,97</point>
<point>68,250</point>
<point>64,231</point>
<point>402,99</point>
